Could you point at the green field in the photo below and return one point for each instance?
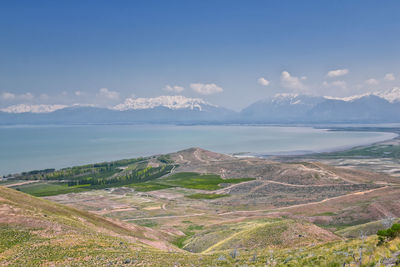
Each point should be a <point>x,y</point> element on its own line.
<point>189,180</point>
<point>154,182</point>
<point>134,175</point>
<point>41,189</point>
<point>148,186</point>
<point>194,180</point>
<point>11,237</point>
<point>206,196</point>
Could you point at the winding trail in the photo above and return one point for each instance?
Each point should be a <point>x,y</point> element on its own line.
<point>22,183</point>
<point>271,210</point>
<point>165,217</point>
<point>264,182</point>
<point>302,205</point>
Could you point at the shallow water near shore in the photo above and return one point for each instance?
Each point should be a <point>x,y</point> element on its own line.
<point>24,148</point>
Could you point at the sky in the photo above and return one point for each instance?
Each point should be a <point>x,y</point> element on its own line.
<point>229,53</point>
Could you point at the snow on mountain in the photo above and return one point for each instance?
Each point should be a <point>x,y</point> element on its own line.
<point>24,108</point>
<point>383,106</point>
<point>347,98</point>
<point>159,110</point>
<point>391,95</point>
<point>281,107</point>
<point>286,98</point>
<point>171,102</point>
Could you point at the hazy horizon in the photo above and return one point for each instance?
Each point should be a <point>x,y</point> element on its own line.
<point>229,53</point>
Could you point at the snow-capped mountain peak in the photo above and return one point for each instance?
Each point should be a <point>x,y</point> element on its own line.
<point>24,108</point>
<point>347,98</point>
<point>286,97</point>
<point>391,95</point>
<point>171,102</point>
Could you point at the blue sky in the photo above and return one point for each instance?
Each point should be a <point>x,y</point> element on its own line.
<point>64,52</point>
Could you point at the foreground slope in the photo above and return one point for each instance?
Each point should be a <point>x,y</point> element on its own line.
<point>35,232</point>
<point>197,207</point>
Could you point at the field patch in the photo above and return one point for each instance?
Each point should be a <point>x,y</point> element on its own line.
<point>256,234</point>
<point>11,237</point>
<point>206,196</point>
<point>193,180</point>
<point>148,186</point>
<point>41,189</point>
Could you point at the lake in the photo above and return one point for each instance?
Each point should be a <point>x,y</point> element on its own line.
<point>24,148</point>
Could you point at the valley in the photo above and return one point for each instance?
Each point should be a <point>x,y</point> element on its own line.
<point>199,205</point>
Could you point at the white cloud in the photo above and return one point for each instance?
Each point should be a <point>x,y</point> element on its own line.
<point>27,96</point>
<point>337,73</point>
<point>7,96</point>
<point>175,88</point>
<point>44,97</point>
<point>105,93</point>
<point>206,89</point>
<point>341,84</point>
<point>78,93</point>
<point>372,81</point>
<point>292,82</point>
<point>262,81</point>
<point>389,77</point>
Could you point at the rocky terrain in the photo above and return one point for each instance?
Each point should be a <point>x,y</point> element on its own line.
<point>197,207</point>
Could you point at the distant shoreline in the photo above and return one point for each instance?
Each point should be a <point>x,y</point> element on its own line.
<point>57,149</point>
<point>305,153</point>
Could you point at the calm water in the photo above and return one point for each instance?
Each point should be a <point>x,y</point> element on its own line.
<point>25,148</point>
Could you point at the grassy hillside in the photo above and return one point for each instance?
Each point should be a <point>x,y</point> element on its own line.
<point>370,228</point>
<point>195,209</point>
<point>252,234</point>
<point>37,232</point>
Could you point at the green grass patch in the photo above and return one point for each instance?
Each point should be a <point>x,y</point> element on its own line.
<point>194,180</point>
<point>180,241</point>
<point>149,186</point>
<point>193,227</point>
<point>325,214</point>
<point>10,237</point>
<point>190,231</point>
<point>139,178</point>
<point>147,223</point>
<point>50,189</point>
<point>207,196</point>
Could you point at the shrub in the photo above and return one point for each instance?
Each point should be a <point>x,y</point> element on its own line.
<point>388,234</point>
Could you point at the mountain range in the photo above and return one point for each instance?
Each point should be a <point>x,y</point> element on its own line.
<point>382,107</point>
